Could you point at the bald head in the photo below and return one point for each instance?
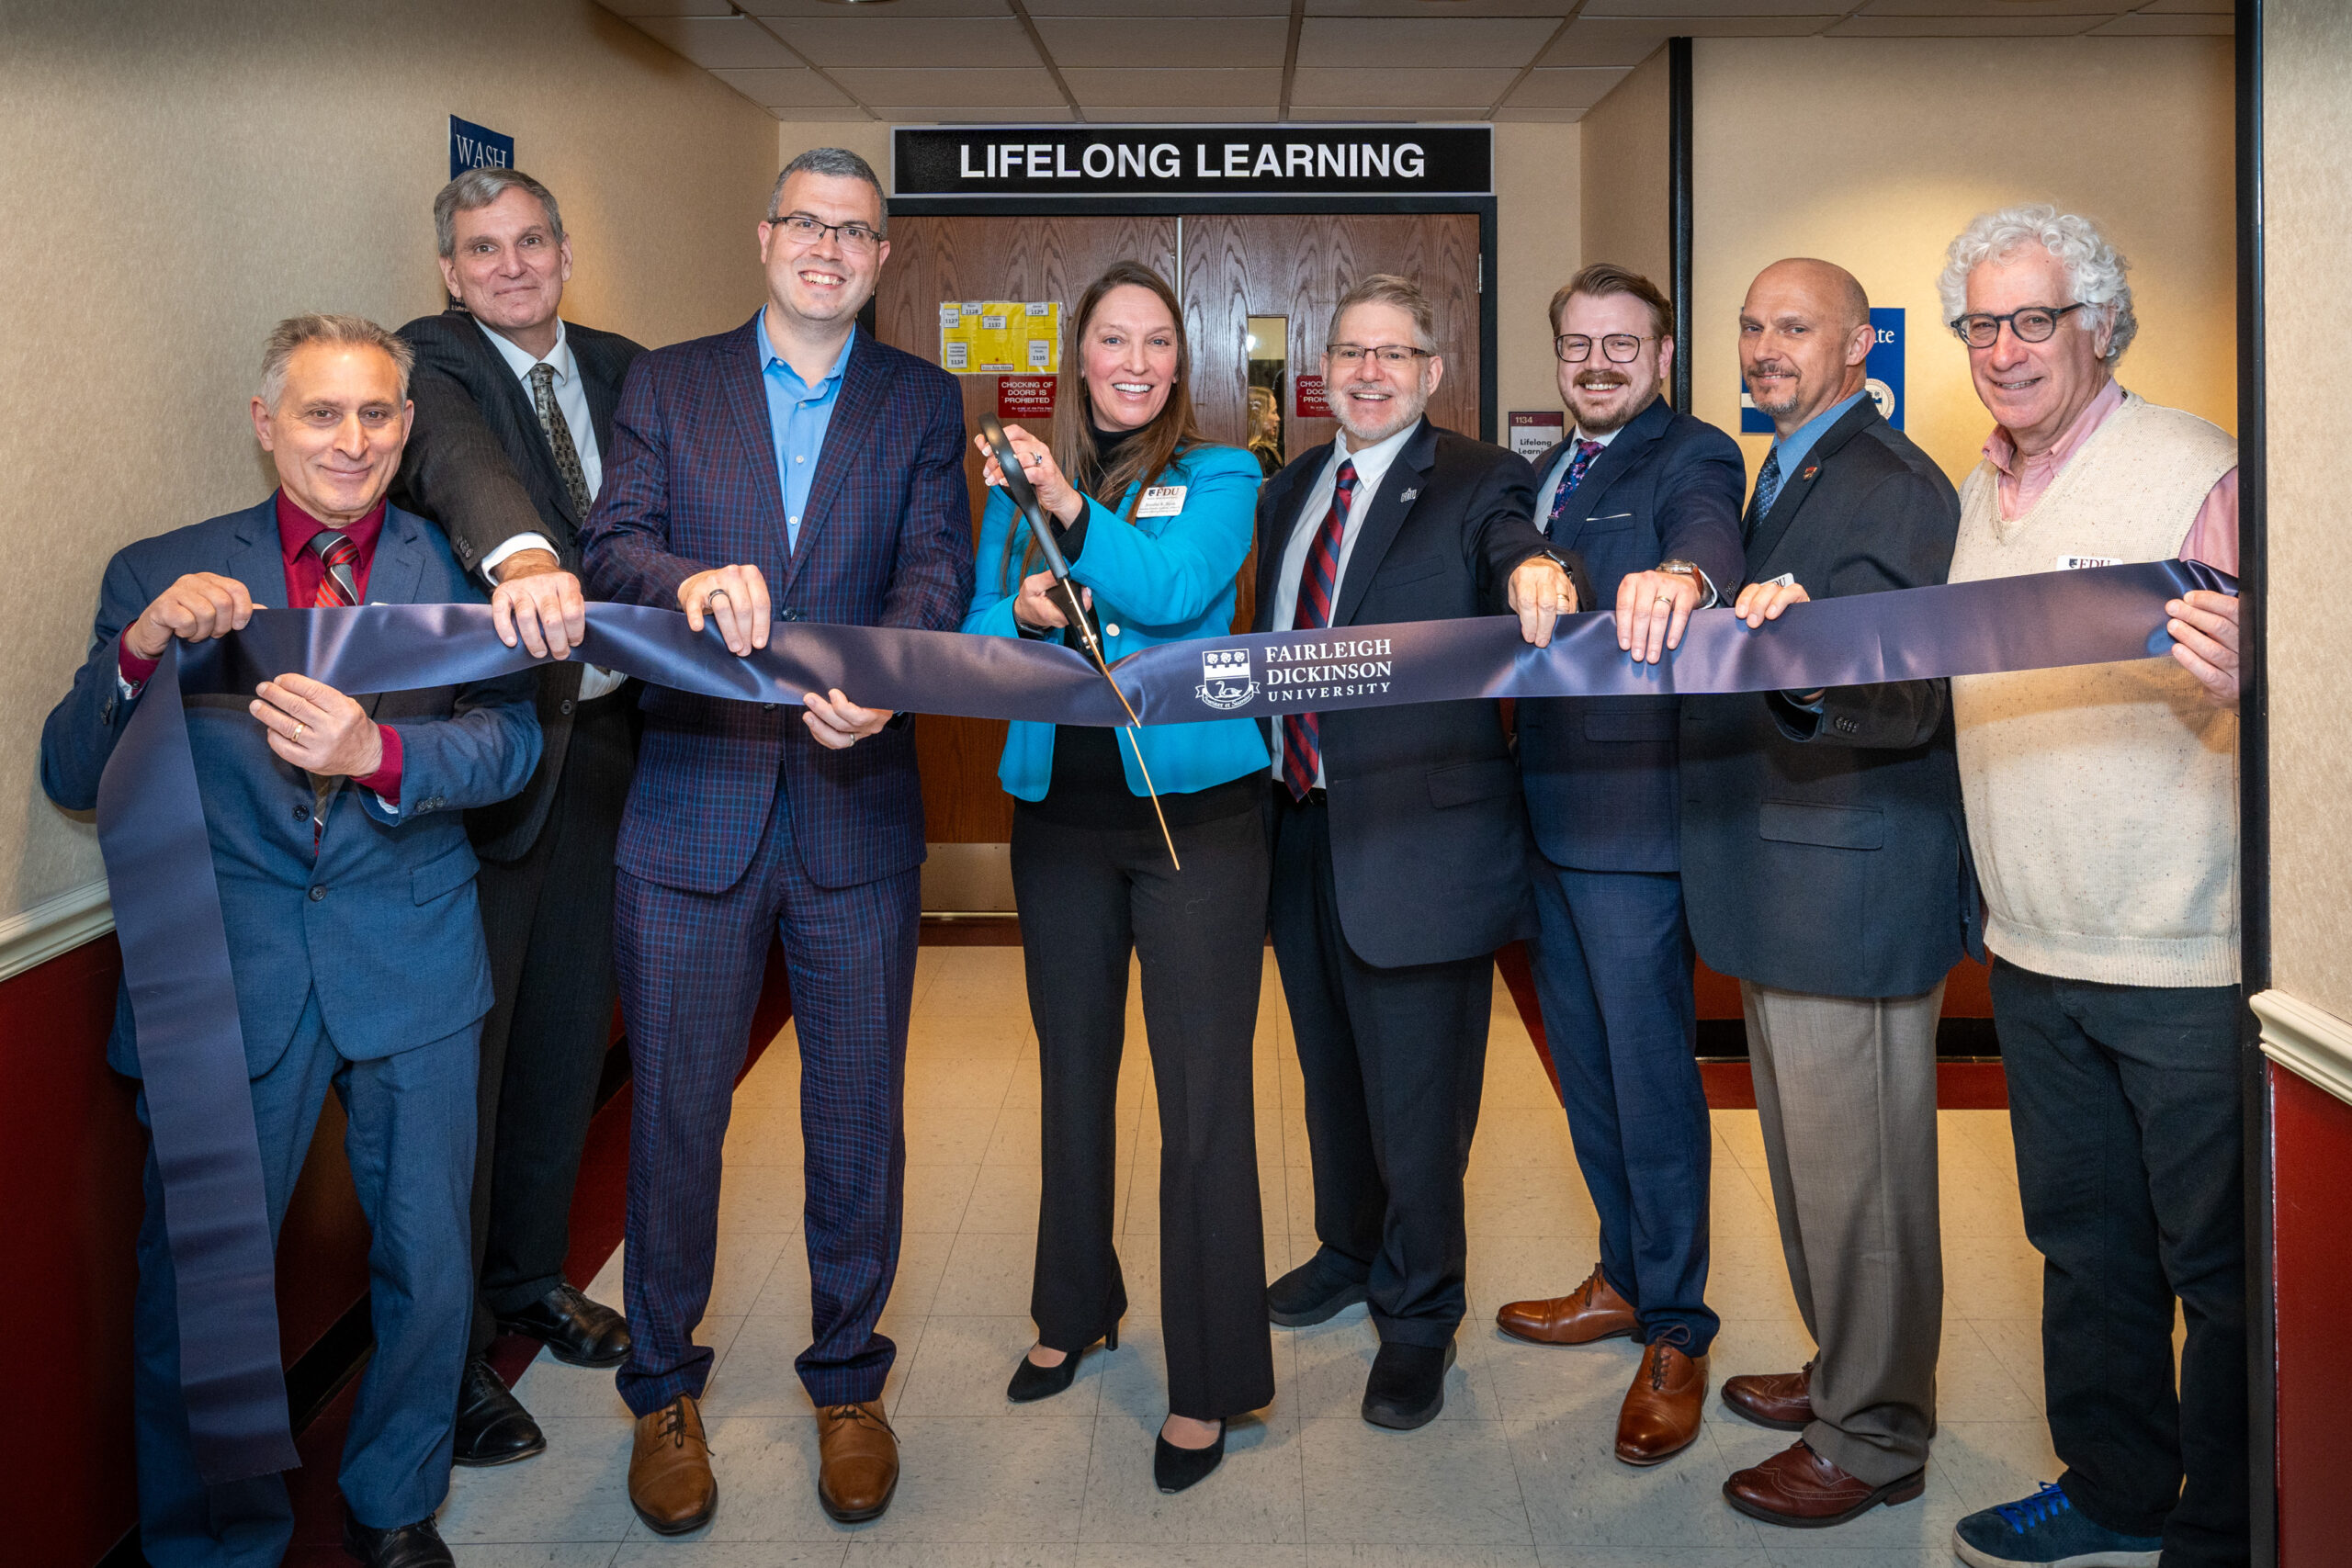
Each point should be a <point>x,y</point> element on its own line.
<point>1805,335</point>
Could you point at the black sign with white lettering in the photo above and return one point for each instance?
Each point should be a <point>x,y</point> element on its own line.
<point>1216,160</point>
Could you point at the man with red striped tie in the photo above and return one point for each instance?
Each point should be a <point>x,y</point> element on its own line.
<point>1401,848</point>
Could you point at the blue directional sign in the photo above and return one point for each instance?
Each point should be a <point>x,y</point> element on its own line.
<point>475,146</point>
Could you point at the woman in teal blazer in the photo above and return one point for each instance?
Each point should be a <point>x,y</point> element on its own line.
<point>1155,522</point>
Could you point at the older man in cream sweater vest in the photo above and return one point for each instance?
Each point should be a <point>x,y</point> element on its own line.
<point>2102,809</point>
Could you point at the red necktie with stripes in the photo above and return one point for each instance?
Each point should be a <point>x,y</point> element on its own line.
<point>337,557</point>
<point>1319,590</point>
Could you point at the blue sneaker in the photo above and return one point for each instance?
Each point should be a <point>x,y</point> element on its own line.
<point>2046,1531</point>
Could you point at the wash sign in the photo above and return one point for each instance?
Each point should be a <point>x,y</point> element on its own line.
<point>1883,372</point>
<point>475,146</point>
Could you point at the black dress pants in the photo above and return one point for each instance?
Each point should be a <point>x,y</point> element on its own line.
<point>2124,1101</point>
<point>547,920</point>
<point>1088,896</point>
<point>1394,1061</point>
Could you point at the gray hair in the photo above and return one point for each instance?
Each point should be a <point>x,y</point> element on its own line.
<point>2093,266</point>
<point>1388,288</point>
<point>477,188</point>
<point>296,332</point>
<point>834,162</point>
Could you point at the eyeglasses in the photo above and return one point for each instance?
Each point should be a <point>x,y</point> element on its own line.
<point>2033,324</point>
<point>800,229</point>
<point>1623,348</point>
<point>1354,353</point>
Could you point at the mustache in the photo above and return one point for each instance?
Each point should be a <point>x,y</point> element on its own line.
<point>1601,380</point>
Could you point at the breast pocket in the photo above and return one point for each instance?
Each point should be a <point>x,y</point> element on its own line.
<point>1405,573</point>
<point>1829,827</point>
<point>1614,521</point>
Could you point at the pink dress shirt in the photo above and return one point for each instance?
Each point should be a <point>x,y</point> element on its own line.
<point>2212,538</point>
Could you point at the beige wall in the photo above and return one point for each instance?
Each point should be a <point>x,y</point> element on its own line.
<point>1626,175</point>
<point>2307,190</point>
<point>1538,196</point>
<point>183,172</point>
<point>2136,132</point>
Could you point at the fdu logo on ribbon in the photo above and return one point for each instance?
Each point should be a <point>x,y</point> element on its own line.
<point>475,146</point>
<point>1225,678</point>
<point>1882,376</point>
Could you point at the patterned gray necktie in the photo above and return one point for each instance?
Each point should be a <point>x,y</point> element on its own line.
<point>559,433</point>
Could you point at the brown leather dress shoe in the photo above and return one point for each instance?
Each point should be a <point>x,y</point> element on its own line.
<point>670,1484</point>
<point>1782,1401</point>
<point>1593,1311</point>
<point>860,1468</point>
<point>1799,1488</point>
<point>1660,1415</point>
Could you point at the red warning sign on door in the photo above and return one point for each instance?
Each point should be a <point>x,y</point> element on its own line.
<point>1025,397</point>
<point>1308,397</point>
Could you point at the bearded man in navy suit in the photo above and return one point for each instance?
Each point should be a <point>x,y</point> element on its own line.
<point>793,468</point>
<point>1649,497</point>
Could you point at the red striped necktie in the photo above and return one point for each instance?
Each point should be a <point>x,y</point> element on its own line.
<point>338,557</point>
<point>1319,590</point>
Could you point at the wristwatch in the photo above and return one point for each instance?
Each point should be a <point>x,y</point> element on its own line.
<point>1699,578</point>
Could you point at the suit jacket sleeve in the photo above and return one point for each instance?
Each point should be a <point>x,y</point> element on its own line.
<point>931,583</point>
<point>1698,515</point>
<point>455,471</point>
<point>1907,542</point>
<point>483,753</point>
<point>625,545</point>
<point>1503,535</point>
<point>81,730</point>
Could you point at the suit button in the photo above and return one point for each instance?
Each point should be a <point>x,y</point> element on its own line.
<point>300,811</point>
<point>317,894</point>
<point>767,708</point>
<point>1110,629</point>
<point>564,706</point>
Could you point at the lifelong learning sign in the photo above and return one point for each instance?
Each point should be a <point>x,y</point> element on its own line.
<point>1213,160</point>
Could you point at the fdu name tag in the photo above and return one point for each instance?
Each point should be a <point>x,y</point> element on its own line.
<point>1161,501</point>
<point>2084,563</point>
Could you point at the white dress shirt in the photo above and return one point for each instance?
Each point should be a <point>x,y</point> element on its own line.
<point>1372,466</point>
<point>572,401</point>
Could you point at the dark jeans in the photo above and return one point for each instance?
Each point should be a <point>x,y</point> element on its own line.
<point>2125,1105</point>
<point>1087,897</point>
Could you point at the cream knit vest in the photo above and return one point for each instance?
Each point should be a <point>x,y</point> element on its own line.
<point>2102,800</point>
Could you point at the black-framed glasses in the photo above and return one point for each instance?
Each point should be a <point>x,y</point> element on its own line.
<point>1622,348</point>
<point>2035,324</point>
<point>802,228</point>
<point>1355,353</point>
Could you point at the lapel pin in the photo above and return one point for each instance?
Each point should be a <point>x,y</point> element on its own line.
<point>1810,469</point>
<point>1409,495</point>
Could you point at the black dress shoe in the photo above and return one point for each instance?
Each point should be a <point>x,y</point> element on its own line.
<point>1176,1468</point>
<point>1032,1382</point>
<point>577,1331</point>
<point>493,1425</point>
<point>402,1546</point>
<point>1406,1388</point>
<point>1316,1289</point>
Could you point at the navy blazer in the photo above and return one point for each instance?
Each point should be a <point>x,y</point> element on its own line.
<point>1826,854</point>
<point>1599,771</point>
<point>382,920</point>
<point>1429,836</point>
<point>885,540</point>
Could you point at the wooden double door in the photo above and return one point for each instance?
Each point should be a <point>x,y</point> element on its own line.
<point>1231,271</point>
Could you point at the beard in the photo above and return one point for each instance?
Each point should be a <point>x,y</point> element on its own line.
<point>1782,404</point>
<point>1595,419</point>
<point>1401,410</point>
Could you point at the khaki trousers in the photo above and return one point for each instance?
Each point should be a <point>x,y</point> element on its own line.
<point>1846,1088</point>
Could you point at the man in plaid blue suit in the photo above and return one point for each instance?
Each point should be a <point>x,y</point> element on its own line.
<point>796,469</point>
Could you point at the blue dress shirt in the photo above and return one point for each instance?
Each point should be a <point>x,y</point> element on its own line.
<point>798,416</point>
<point>1793,447</point>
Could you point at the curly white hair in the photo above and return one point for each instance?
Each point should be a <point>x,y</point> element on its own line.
<point>2094,266</point>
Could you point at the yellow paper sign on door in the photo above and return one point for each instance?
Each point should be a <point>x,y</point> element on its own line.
<point>1001,337</point>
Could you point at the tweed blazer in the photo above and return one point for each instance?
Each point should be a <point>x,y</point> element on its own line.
<point>691,483</point>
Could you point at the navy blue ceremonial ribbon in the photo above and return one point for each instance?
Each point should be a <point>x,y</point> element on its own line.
<point>175,950</point>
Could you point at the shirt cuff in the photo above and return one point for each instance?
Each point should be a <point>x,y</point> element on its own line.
<point>519,543</point>
<point>130,671</point>
<point>384,784</point>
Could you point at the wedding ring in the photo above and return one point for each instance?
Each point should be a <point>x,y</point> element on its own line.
<point>299,728</point>
<point>714,593</point>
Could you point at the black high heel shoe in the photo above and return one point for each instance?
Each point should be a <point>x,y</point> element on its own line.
<point>1032,1382</point>
<point>1175,1467</point>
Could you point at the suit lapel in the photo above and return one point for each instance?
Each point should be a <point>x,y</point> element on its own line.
<point>259,559</point>
<point>520,408</point>
<point>857,403</point>
<point>604,390</point>
<point>1389,506</point>
<point>393,575</point>
<point>1774,526</point>
<point>1616,460</point>
<point>744,390</point>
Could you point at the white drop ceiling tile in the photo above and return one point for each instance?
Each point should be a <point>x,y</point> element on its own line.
<point>1616,40</point>
<point>1552,9</point>
<point>899,10</point>
<point>969,114</point>
<point>910,42</point>
<point>771,87</point>
<point>1962,27</point>
<point>975,89</point>
<point>714,41</point>
<point>1573,87</point>
<point>2168,7</point>
<point>1380,43</point>
<point>1161,114</point>
<point>1400,87</point>
<point>2168,24</point>
<point>2022,11</point>
<point>1162,42</point>
<point>1352,114</point>
<point>1176,89</point>
<point>633,9</point>
<point>1700,8</point>
<point>1159,9</point>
